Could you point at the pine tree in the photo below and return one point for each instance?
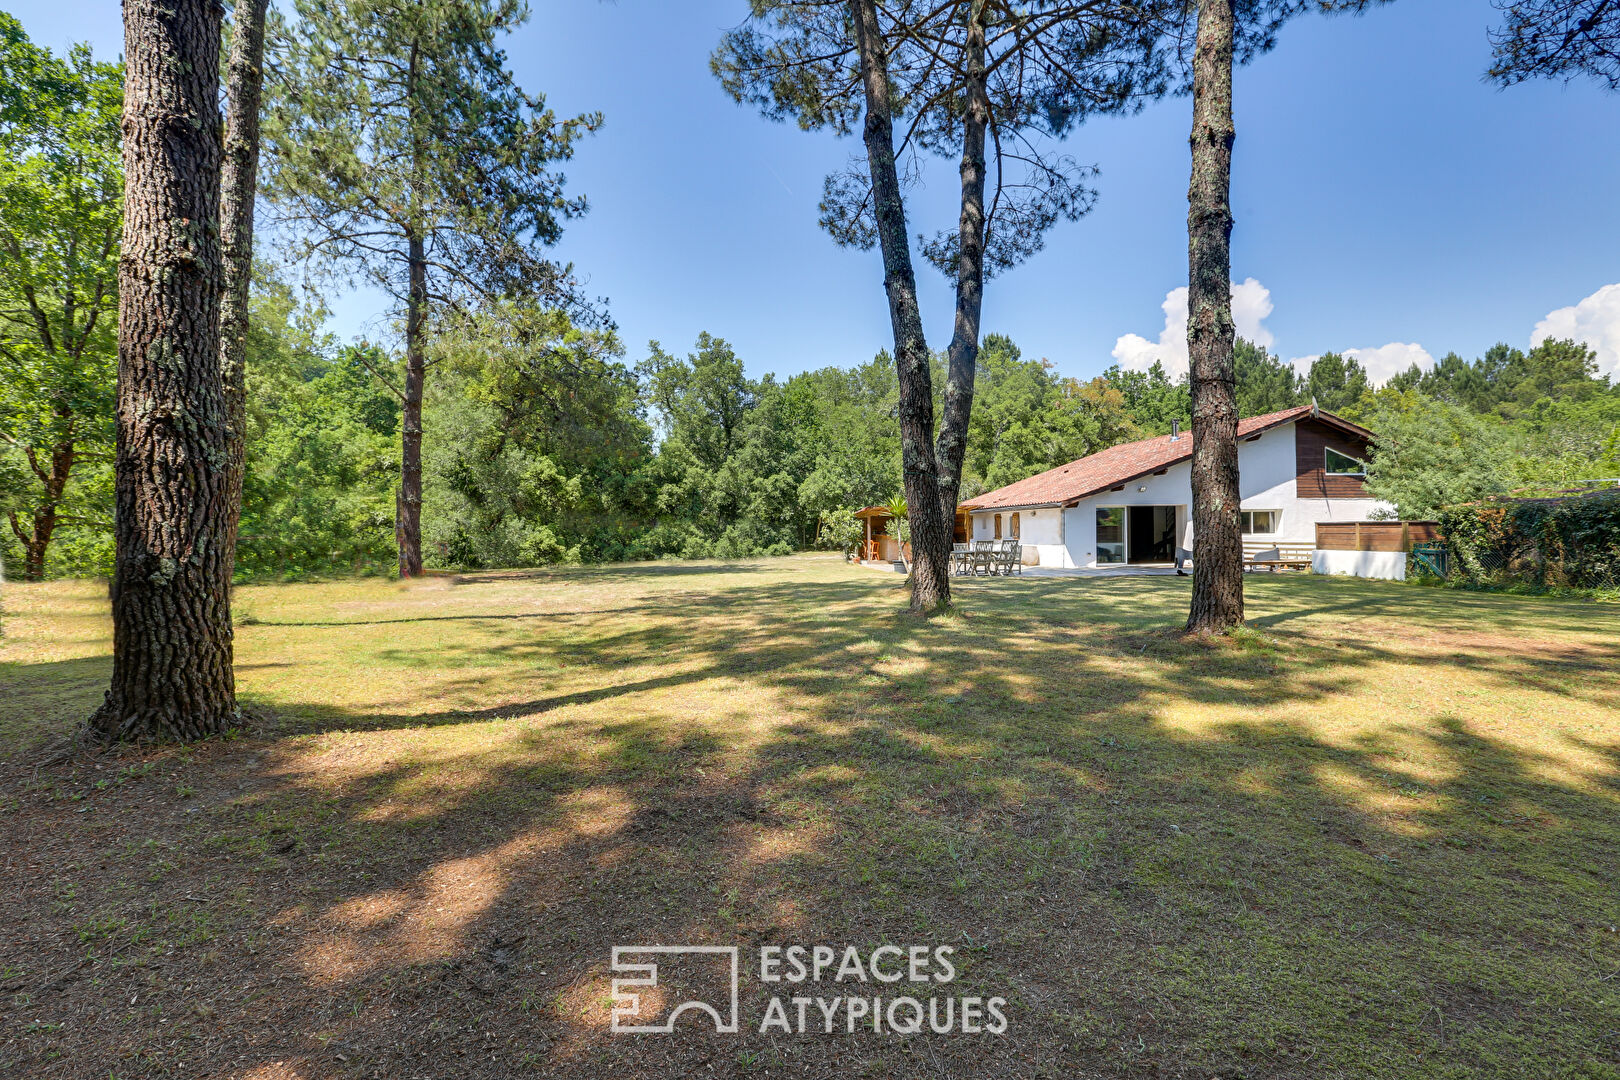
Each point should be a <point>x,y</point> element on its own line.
<point>1228,31</point>
<point>401,151</point>
<point>1265,383</point>
<point>172,674</point>
<point>1217,601</point>
<point>1336,382</point>
<point>951,79</point>
<point>1557,39</point>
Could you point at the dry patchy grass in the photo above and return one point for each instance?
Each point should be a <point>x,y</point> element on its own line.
<point>1372,835</point>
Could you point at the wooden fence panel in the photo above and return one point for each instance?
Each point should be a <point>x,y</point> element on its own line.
<point>1375,535</point>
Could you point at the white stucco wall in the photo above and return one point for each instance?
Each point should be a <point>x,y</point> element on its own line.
<point>1384,565</point>
<point>1266,472</point>
<point>1039,531</point>
<point>1266,469</point>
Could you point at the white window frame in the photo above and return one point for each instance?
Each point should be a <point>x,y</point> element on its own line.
<point>1328,471</point>
<point>1276,521</point>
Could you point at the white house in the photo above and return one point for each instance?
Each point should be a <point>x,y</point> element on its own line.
<point>1130,503</point>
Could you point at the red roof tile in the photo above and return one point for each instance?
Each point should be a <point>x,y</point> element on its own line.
<point>1125,462</point>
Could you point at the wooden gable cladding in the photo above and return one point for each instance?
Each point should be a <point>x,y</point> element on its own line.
<point>1312,439</point>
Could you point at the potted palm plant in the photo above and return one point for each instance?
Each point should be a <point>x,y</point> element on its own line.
<point>902,529</point>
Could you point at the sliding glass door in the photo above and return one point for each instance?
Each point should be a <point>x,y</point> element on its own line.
<point>1110,534</point>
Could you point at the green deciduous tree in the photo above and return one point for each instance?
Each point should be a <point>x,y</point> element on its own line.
<point>542,451</point>
<point>61,200</point>
<point>1026,419</point>
<point>853,435</point>
<point>1429,454</point>
<point>701,402</point>
<point>322,449</point>
<point>1152,398</point>
<point>731,457</point>
<point>840,530</point>
<point>401,151</point>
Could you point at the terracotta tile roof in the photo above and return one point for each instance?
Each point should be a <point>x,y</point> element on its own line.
<point>1125,462</point>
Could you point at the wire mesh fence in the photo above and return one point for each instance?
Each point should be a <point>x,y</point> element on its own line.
<point>1568,542</point>
<point>1525,568</point>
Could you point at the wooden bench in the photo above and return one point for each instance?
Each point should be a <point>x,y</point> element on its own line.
<point>1258,555</point>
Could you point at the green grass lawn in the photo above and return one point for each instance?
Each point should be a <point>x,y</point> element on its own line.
<point>1374,835</point>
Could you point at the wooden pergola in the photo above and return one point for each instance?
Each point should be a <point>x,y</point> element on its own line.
<point>881,545</point>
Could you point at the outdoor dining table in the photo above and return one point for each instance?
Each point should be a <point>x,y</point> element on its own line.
<point>969,559</point>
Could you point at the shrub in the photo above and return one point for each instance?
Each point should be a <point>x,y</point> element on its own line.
<point>840,530</point>
<point>1570,543</point>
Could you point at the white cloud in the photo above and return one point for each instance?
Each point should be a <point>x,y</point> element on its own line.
<point>1251,304</point>
<point>1381,363</point>
<point>1390,360</point>
<point>1595,320</point>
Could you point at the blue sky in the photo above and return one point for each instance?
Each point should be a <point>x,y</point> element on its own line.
<point>1386,199</point>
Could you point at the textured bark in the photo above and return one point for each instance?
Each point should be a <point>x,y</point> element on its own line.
<point>930,526</point>
<point>963,356</point>
<point>244,85</point>
<point>171,618</point>
<point>408,523</point>
<point>1217,601</point>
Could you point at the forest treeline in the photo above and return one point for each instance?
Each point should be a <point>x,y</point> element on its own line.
<point>566,451</point>
<point>544,443</point>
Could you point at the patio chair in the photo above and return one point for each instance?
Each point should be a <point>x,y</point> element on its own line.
<point>961,559</point>
<point>1012,558</point>
<point>970,560</point>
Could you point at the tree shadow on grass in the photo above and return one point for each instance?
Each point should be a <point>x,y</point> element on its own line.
<point>825,639</point>
<point>438,895</point>
<point>628,572</point>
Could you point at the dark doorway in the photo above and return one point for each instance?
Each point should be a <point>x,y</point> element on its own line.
<point>1152,534</point>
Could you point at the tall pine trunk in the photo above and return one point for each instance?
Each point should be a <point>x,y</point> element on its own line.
<point>1217,600</point>
<point>244,85</point>
<point>963,356</point>
<point>930,527</point>
<point>171,616</point>
<point>408,502</point>
<point>409,521</point>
